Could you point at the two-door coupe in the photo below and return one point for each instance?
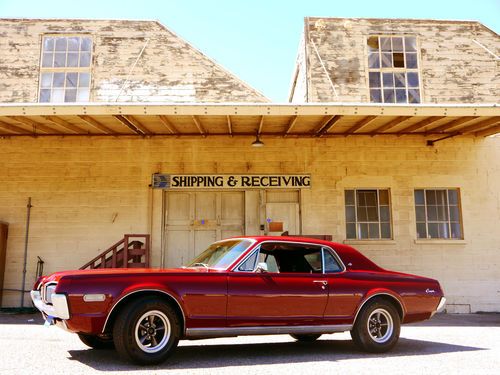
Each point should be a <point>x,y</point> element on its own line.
<point>239,286</point>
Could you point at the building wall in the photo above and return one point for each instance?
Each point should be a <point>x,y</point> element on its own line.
<point>453,68</point>
<point>169,69</point>
<point>86,193</point>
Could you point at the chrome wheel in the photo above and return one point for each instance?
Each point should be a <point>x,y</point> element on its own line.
<point>152,331</point>
<point>380,325</point>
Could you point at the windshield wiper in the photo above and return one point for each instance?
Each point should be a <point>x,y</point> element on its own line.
<point>200,264</point>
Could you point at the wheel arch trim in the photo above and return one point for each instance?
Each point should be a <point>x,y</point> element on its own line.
<point>124,297</point>
<point>375,295</point>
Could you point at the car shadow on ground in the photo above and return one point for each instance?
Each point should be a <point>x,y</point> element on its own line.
<point>214,356</point>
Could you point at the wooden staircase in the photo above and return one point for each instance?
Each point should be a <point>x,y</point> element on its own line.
<point>130,252</point>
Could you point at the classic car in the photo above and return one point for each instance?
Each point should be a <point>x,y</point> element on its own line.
<point>240,286</point>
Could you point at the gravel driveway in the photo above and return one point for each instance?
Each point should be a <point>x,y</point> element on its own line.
<point>448,344</point>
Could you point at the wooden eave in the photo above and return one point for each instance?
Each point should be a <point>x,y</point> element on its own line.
<point>268,120</point>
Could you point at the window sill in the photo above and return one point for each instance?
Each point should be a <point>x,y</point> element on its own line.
<point>369,242</point>
<point>440,242</point>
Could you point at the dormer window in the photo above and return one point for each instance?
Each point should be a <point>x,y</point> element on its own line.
<point>393,69</point>
<point>65,69</point>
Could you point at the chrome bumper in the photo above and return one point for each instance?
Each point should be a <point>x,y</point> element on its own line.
<point>441,305</point>
<point>58,309</point>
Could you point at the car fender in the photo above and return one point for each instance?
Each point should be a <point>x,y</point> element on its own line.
<point>373,293</point>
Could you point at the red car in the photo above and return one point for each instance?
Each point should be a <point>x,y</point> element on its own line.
<point>239,286</point>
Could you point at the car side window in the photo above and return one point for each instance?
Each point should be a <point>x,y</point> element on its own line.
<point>270,260</point>
<point>250,263</point>
<point>331,264</point>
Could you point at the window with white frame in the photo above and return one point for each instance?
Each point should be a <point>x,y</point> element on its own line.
<point>65,69</point>
<point>438,213</point>
<point>368,214</point>
<point>393,73</point>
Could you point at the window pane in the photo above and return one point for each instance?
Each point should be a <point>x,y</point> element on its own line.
<point>57,96</point>
<point>375,96</point>
<point>83,95</point>
<point>419,197</point>
<point>421,231</point>
<point>374,231</point>
<point>387,60</point>
<point>58,80</point>
<point>351,230</point>
<point>385,44</point>
<point>331,264</point>
<point>389,96</point>
<point>453,196</point>
<point>373,43</point>
<point>361,198</point>
<point>249,264</point>
<point>350,214</point>
<point>431,213</point>
<point>46,80</point>
<point>372,213</point>
<point>85,59</point>
<point>385,229</point>
<point>84,80</point>
<point>413,96</point>
<point>349,197</point>
<point>411,61</point>
<point>410,43</point>
<point>47,60</point>
<point>73,44</point>
<point>48,44</point>
<point>430,196</point>
<point>388,79</point>
<point>384,214</point>
<point>397,44</point>
<point>86,44</point>
<point>72,59</point>
<point>374,79</point>
<point>61,44</point>
<point>363,231</point>
<point>420,213</point>
<point>374,60</point>
<point>362,214</point>
<point>456,230</point>
<point>44,96</point>
<point>70,95</point>
<point>71,79</point>
<point>399,60</point>
<point>399,80</point>
<point>383,196</point>
<point>443,230</point>
<point>454,214</point>
<point>433,230</point>
<point>440,199</point>
<point>442,212</point>
<point>60,60</point>
<point>401,96</point>
<point>371,198</point>
<point>412,79</point>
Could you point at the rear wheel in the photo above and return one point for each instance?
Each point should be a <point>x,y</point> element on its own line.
<point>377,327</point>
<point>96,342</point>
<point>306,338</point>
<point>147,331</point>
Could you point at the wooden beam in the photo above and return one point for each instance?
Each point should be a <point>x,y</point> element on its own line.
<point>326,128</point>
<point>35,125</point>
<point>261,125</point>
<point>199,126</point>
<point>480,125</point>
<point>137,124</point>
<point>13,128</point>
<point>359,125</point>
<point>94,123</point>
<point>132,124</point>
<point>391,124</point>
<point>291,124</point>
<point>166,122</point>
<point>324,122</point>
<point>229,125</point>
<point>488,131</point>
<point>421,124</point>
<point>453,124</point>
<point>66,125</point>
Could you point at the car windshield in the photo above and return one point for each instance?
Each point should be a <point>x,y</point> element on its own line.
<point>221,254</point>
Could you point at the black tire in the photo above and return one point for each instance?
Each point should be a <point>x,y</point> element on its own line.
<point>377,327</point>
<point>147,331</point>
<point>306,337</point>
<point>96,342</point>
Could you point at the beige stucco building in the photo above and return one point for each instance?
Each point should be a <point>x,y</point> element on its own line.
<point>348,157</point>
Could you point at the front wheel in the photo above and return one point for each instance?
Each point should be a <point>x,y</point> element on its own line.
<point>147,331</point>
<point>377,328</point>
<point>306,337</point>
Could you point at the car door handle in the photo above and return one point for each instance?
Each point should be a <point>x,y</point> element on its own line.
<point>324,282</point>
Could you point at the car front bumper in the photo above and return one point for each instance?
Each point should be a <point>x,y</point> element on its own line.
<point>58,309</point>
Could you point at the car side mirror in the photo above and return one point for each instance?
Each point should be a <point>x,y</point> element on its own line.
<point>261,267</point>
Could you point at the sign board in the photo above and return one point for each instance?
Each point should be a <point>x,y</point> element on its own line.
<point>234,181</point>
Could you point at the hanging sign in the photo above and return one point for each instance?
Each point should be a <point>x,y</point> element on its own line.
<point>234,181</point>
